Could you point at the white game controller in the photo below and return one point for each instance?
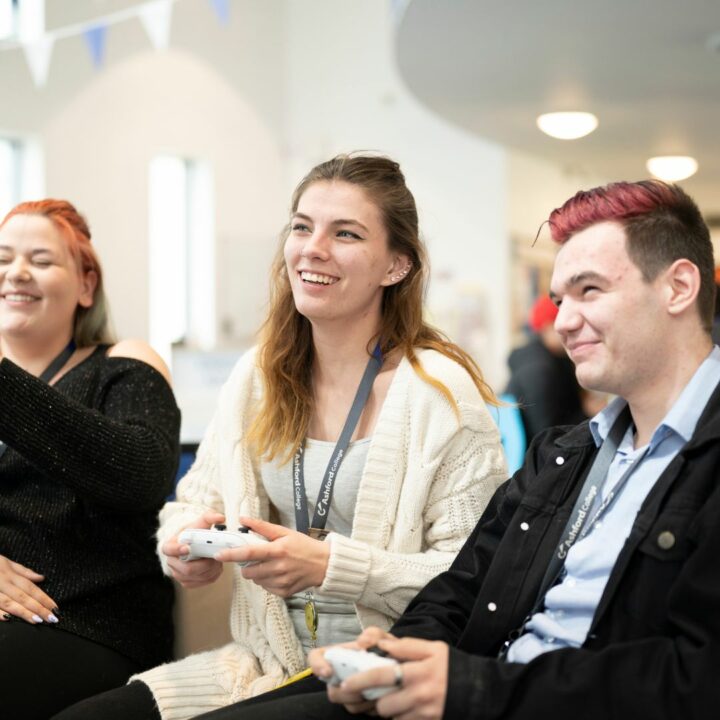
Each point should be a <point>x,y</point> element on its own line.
<point>347,662</point>
<point>206,543</point>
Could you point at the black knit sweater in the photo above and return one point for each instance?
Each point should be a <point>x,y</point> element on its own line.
<point>88,465</point>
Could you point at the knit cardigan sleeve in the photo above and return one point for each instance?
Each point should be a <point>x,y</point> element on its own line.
<point>429,476</point>
<point>106,452</point>
<point>208,484</point>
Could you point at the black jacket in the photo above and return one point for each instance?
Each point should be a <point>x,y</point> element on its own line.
<point>653,650</point>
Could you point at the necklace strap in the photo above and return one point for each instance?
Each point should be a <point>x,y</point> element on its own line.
<point>322,505</point>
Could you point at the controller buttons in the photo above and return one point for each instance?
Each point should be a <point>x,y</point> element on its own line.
<point>243,529</point>
<point>219,526</point>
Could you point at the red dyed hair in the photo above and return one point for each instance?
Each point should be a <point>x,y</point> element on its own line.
<point>662,224</point>
<point>91,324</point>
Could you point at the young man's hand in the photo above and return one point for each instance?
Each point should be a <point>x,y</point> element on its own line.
<point>424,680</point>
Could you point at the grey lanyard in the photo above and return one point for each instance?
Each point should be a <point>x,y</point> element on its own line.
<point>49,373</point>
<point>322,506</point>
<point>583,515</point>
<point>582,518</point>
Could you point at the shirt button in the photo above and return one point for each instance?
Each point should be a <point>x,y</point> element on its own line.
<point>492,607</point>
<point>665,540</point>
<point>524,526</point>
<point>559,460</point>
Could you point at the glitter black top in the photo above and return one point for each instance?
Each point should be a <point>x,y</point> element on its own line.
<point>89,463</point>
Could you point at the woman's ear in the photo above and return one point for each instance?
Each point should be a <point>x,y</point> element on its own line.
<point>400,267</point>
<point>88,283</point>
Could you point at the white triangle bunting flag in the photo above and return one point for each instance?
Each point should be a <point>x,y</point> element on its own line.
<point>38,53</point>
<point>155,17</point>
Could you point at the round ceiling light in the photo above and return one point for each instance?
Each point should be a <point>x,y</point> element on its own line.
<point>567,125</point>
<point>672,167</point>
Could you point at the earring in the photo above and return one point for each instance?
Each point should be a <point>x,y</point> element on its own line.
<point>401,274</point>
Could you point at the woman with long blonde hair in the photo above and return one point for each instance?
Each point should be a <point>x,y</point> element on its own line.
<point>354,438</point>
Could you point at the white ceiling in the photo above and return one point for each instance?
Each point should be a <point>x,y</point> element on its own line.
<point>649,69</point>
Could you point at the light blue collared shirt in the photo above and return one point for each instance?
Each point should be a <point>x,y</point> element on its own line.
<point>571,604</point>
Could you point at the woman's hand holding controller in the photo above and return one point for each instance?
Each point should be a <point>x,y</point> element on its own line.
<point>197,573</point>
<point>290,563</point>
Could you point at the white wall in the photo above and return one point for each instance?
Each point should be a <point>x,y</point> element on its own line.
<point>171,102</point>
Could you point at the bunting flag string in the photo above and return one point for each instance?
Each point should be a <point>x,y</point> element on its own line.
<point>155,17</point>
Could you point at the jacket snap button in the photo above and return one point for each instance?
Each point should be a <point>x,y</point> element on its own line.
<point>665,540</point>
<point>559,460</point>
<point>524,526</point>
<point>492,607</point>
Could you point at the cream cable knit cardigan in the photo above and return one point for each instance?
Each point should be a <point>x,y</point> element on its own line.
<point>428,476</point>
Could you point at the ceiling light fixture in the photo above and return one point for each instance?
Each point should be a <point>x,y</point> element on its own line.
<point>672,167</point>
<point>567,125</point>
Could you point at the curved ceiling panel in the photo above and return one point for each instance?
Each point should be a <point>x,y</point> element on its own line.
<point>649,69</point>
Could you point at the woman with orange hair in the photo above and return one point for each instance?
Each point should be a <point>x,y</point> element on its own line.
<point>357,525</point>
<point>89,446</point>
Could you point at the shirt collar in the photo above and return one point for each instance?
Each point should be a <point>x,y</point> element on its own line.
<point>682,416</point>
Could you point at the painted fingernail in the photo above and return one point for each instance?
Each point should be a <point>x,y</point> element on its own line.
<point>6,616</point>
<point>37,619</point>
<point>51,618</point>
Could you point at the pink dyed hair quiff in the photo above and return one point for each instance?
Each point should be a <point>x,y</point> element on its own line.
<point>662,224</point>
<point>614,202</point>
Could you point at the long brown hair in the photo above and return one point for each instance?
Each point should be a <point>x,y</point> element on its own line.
<point>286,350</point>
<point>91,325</point>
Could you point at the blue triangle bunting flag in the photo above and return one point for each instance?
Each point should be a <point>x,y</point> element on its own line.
<point>95,39</point>
<point>222,10</point>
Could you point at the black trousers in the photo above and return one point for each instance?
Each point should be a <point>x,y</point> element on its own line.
<point>303,700</point>
<point>44,669</point>
<point>129,702</point>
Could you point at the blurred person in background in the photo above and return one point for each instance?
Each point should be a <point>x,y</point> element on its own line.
<point>542,379</point>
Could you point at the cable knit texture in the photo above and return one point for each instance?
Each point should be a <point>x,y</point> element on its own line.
<point>89,462</point>
<point>429,473</point>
